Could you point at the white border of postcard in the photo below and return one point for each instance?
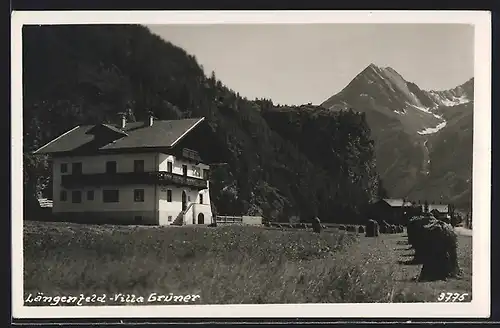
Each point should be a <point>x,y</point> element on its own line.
<point>480,305</point>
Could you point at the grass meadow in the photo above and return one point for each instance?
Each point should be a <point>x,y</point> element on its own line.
<point>228,265</point>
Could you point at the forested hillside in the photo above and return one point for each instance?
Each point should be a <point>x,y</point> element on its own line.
<point>322,165</point>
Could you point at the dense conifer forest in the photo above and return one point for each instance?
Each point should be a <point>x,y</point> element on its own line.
<point>281,160</point>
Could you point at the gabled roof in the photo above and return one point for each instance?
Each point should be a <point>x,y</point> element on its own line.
<point>439,207</point>
<point>134,135</point>
<point>396,202</point>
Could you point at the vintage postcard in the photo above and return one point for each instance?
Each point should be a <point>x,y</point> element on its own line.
<point>323,164</point>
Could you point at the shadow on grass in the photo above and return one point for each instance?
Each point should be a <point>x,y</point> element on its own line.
<point>409,262</point>
<point>409,279</point>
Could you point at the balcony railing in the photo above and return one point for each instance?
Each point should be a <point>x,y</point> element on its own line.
<point>126,178</point>
<point>191,154</point>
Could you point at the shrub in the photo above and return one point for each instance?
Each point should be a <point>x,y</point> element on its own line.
<point>440,258</point>
<point>372,228</point>
<point>342,227</point>
<point>393,228</point>
<point>351,228</point>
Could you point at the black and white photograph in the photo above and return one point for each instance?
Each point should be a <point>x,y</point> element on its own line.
<point>250,164</point>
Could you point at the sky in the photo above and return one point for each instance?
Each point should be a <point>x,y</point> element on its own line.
<point>300,63</point>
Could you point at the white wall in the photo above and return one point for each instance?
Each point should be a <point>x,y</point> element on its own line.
<point>252,220</point>
<point>173,208</point>
<point>192,169</point>
<point>155,199</point>
<point>193,213</point>
<point>126,200</point>
<point>97,164</point>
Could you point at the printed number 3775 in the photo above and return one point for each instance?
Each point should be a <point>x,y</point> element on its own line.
<point>452,297</point>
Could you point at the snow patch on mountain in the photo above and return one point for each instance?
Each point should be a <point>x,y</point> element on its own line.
<point>427,110</point>
<point>449,100</point>
<point>423,109</point>
<point>433,130</point>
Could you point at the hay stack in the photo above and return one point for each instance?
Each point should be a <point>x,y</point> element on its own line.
<point>440,260</point>
<point>418,235</point>
<point>316,225</point>
<point>385,227</point>
<point>372,228</point>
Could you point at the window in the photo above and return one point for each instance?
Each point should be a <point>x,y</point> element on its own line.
<point>111,167</point>
<point>138,195</point>
<point>206,174</point>
<point>201,198</point>
<point>63,196</point>
<point>184,170</point>
<point>76,196</point>
<point>90,195</point>
<point>76,168</point>
<point>169,166</point>
<point>64,167</point>
<point>196,171</point>
<point>139,165</point>
<point>170,218</point>
<point>169,196</point>
<point>110,196</point>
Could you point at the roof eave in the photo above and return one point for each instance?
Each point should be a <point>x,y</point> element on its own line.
<point>186,132</point>
<point>39,152</point>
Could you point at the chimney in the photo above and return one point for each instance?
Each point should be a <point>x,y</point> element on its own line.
<point>123,120</point>
<point>150,118</point>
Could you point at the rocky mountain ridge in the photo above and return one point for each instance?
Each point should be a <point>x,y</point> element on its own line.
<point>405,120</point>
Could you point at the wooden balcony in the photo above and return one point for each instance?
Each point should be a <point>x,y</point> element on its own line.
<point>191,155</point>
<point>128,178</point>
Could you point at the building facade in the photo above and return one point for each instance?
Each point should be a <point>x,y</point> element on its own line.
<point>136,173</point>
<point>392,211</point>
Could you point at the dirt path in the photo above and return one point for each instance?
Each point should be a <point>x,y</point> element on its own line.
<point>396,256</point>
<point>395,250</point>
<point>463,231</point>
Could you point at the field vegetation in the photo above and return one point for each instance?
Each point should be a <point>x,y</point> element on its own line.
<point>231,264</point>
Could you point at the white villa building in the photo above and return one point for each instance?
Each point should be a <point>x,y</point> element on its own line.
<point>130,173</point>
